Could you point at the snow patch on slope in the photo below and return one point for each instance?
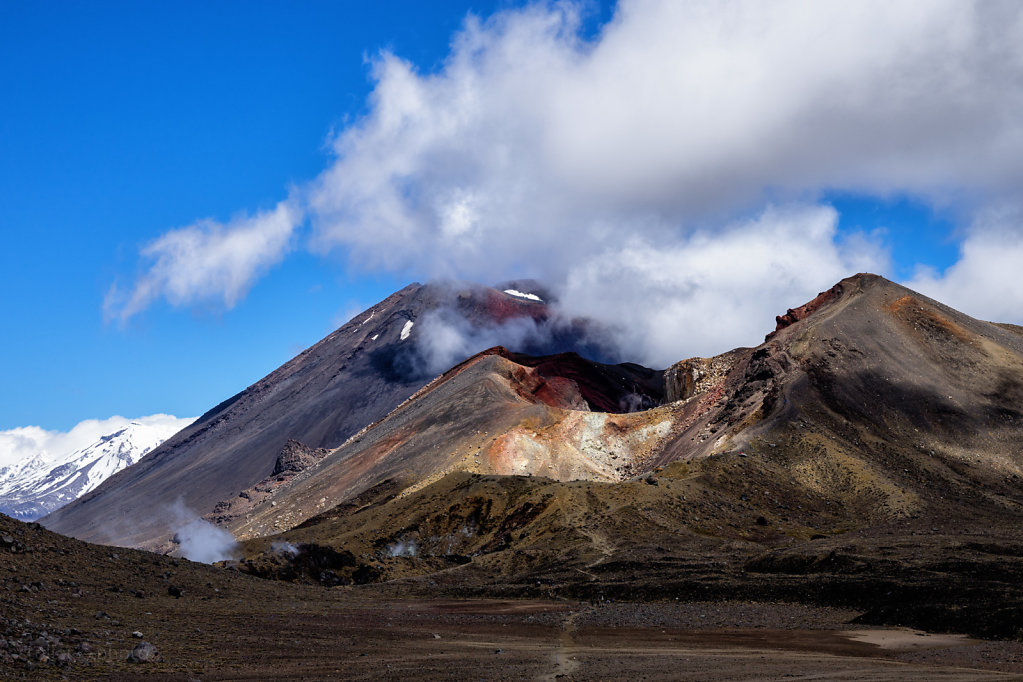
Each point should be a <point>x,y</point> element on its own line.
<point>406,330</point>
<point>521,294</point>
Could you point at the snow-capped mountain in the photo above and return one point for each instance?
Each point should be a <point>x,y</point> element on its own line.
<point>38,484</point>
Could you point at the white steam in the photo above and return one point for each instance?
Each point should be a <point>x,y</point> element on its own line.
<point>406,548</point>
<point>284,548</point>
<point>199,540</point>
<point>447,338</point>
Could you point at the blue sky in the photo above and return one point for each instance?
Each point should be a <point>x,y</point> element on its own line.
<point>595,146</point>
<point>126,119</point>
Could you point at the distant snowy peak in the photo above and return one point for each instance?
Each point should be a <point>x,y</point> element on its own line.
<point>37,485</point>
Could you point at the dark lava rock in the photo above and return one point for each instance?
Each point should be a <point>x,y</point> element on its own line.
<point>175,591</point>
<point>144,652</point>
<point>296,457</point>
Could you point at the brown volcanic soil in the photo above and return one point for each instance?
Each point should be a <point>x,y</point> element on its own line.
<point>80,604</point>
<point>710,531</point>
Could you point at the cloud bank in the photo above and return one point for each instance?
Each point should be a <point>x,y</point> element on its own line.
<point>24,442</point>
<point>669,171</point>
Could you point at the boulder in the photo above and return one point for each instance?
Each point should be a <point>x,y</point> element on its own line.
<point>144,652</point>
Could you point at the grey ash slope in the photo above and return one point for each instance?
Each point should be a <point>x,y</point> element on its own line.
<point>312,398</point>
<point>353,377</point>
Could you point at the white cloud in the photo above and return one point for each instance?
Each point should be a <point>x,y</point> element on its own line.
<point>985,282</point>
<point>531,144</point>
<point>666,171</point>
<point>715,290</point>
<point>208,261</point>
<point>618,170</point>
<point>28,441</point>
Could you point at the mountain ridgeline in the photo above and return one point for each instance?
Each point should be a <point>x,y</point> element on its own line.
<point>866,456</point>
<point>350,379</point>
<point>40,484</point>
<point>868,405</point>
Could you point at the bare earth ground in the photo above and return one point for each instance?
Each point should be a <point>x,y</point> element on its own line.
<point>70,610</point>
<point>346,634</point>
<point>351,637</point>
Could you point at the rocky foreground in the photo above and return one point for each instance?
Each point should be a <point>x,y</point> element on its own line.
<point>72,610</point>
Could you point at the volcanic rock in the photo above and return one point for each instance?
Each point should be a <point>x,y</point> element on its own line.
<point>864,457</point>
<point>144,652</point>
<point>296,457</point>
<point>849,392</point>
<point>322,397</point>
<point>498,412</point>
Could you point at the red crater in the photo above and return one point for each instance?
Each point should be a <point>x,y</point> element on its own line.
<point>794,315</point>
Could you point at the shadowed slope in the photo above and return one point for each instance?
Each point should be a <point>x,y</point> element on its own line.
<point>71,610</point>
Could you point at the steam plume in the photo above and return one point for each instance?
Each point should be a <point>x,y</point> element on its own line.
<point>199,540</point>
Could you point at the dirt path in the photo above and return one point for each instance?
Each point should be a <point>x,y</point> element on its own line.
<point>565,662</point>
<point>602,545</point>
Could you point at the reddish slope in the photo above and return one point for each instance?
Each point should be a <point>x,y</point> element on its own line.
<point>497,412</point>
